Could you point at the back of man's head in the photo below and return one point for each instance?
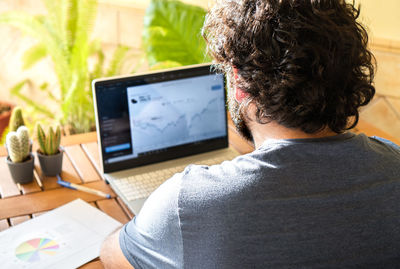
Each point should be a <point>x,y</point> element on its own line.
<point>304,63</point>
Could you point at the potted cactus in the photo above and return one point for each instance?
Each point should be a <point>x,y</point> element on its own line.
<point>50,153</point>
<point>20,160</point>
<point>16,120</point>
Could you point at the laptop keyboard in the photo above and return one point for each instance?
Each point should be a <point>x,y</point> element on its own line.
<point>142,185</point>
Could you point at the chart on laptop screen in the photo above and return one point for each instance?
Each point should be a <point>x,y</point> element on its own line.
<point>172,113</point>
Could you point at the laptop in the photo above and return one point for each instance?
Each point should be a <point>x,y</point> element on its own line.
<point>152,125</point>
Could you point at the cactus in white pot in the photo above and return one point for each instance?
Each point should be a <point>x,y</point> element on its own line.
<point>20,160</point>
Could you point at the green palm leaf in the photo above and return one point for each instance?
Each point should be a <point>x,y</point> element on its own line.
<point>16,90</point>
<point>72,22</point>
<point>172,33</point>
<point>33,55</point>
<point>86,14</point>
<point>58,19</point>
<point>117,60</point>
<point>38,29</point>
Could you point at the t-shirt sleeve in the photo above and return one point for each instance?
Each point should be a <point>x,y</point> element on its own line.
<point>153,238</point>
<point>387,142</point>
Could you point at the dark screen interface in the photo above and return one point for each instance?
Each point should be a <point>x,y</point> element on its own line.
<point>144,117</point>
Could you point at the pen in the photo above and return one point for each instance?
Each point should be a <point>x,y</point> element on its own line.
<point>74,186</point>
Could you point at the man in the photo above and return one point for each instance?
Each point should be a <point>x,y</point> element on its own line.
<point>311,195</point>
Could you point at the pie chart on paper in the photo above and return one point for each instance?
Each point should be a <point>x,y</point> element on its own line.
<point>36,249</point>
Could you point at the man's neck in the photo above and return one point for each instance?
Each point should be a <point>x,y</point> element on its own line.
<point>273,130</point>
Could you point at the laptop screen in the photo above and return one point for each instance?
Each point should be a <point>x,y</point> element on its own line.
<point>144,119</point>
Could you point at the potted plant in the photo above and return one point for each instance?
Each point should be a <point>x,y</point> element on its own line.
<point>16,120</point>
<point>5,114</point>
<point>64,36</point>
<point>50,153</point>
<point>20,160</point>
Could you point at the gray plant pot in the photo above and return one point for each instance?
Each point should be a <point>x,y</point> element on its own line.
<point>22,173</point>
<point>51,164</point>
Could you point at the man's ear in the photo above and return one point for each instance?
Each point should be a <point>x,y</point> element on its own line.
<point>240,95</point>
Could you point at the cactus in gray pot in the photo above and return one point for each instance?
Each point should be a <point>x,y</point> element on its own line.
<point>50,143</point>
<point>18,145</point>
<point>50,153</point>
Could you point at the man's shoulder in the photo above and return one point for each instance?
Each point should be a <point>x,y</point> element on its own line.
<point>279,164</point>
<point>387,143</point>
<point>385,150</point>
<point>234,167</point>
<point>218,180</point>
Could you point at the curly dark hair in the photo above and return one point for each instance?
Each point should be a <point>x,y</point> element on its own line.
<point>305,63</point>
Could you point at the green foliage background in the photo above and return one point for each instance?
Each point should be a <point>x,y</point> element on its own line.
<point>63,34</point>
<point>172,34</point>
<point>171,37</point>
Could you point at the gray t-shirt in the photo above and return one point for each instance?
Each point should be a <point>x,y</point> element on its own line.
<point>299,203</point>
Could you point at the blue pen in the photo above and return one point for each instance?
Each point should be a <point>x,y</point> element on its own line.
<point>74,186</point>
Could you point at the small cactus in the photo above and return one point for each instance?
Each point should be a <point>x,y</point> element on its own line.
<point>16,119</point>
<point>50,143</point>
<point>18,145</point>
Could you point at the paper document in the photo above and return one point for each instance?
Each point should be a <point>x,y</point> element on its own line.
<point>66,237</point>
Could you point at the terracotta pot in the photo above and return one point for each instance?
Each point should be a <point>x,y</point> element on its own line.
<point>51,164</point>
<point>5,117</point>
<point>22,172</point>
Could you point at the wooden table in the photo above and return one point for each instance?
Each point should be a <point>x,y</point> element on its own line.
<point>19,203</point>
<point>81,165</point>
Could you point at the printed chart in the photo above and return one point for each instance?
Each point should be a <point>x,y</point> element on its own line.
<point>54,240</point>
<point>36,249</point>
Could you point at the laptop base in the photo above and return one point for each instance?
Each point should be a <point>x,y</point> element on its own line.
<point>209,158</point>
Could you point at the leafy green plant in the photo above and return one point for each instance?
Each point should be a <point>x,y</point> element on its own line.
<point>50,143</point>
<point>172,34</point>
<point>64,35</point>
<point>18,145</point>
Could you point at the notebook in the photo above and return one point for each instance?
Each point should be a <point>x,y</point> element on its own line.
<point>152,125</point>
